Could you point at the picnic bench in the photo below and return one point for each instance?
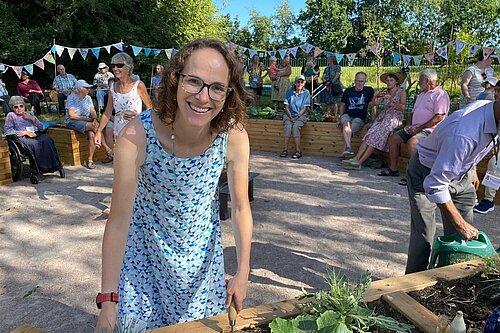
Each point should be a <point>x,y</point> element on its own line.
<point>224,197</point>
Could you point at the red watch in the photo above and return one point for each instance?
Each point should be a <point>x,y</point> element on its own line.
<point>107,297</point>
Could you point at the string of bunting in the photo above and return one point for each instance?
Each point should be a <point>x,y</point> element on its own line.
<point>375,48</point>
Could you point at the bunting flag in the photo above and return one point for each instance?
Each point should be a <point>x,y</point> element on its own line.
<point>473,49</point>
<point>40,64</point>
<point>487,51</point>
<point>443,52</point>
<point>71,52</point>
<point>108,48</point>
<point>95,51</point>
<point>232,46</point>
<point>147,51</point>
<point>174,51</point>
<point>429,57</point>
<point>2,68</point>
<point>293,51</point>
<point>329,54</point>
<point>406,60</point>
<point>156,52</point>
<point>339,57</point>
<point>49,57</point>
<point>459,46</point>
<point>317,51</point>
<point>83,53</point>
<point>18,70</point>
<point>396,58</point>
<point>119,46</point>
<point>59,50</point>
<point>375,48</point>
<point>282,53</point>
<point>53,49</point>
<point>271,53</point>
<point>242,49</point>
<point>168,52</point>
<point>29,68</point>
<point>136,50</point>
<point>251,53</point>
<point>306,47</point>
<point>351,57</point>
<point>417,59</point>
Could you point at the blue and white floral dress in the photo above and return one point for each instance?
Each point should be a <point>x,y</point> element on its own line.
<point>173,268</point>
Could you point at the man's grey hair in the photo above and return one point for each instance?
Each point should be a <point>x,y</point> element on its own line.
<point>124,58</point>
<point>430,74</point>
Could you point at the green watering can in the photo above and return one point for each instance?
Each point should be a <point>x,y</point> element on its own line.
<point>453,249</point>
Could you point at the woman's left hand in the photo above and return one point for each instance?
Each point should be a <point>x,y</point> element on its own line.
<point>237,291</point>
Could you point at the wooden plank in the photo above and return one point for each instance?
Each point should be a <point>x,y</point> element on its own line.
<point>26,329</point>
<point>415,312</point>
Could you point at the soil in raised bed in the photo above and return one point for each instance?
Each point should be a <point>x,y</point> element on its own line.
<point>445,297</point>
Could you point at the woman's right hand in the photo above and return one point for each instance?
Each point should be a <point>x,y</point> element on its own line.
<point>97,139</point>
<point>107,318</point>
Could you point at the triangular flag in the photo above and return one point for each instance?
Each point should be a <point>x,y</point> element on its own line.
<point>306,48</point>
<point>294,50</point>
<point>242,49</point>
<point>329,54</point>
<point>443,52</point>
<point>429,57</point>
<point>119,46</point>
<point>71,52</point>
<point>168,52</point>
<point>2,68</point>
<point>317,51</point>
<point>95,51</point>
<point>339,57</point>
<point>459,46</point>
<point>136,50</point>
<point>251,53</point>
<point>232,46</point>
<point>417,59</point>
<point>40,64</point>
<point>49,57</point>
<point>53,49</point>
<point>396,56</point>
<point>487,51</point>
<point>84,53</point>
<point>375,48</point>
<point>59,50</point>
<point>19,69</point>
<point>147,51</point>
<point>271,53</point>
<point>156,52</point>
<point>29,68</point>
<point>108,48</point>
<point>174,51</point>
<point>473,49</point>
<point>282,53</point>
<point>406,60</point>
<point>351,57</point>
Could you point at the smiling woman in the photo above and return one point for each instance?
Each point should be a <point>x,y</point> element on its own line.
<point>163,264</point>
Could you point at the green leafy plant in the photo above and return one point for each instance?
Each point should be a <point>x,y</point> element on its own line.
<point>491,274</point>
<point>338,310</point>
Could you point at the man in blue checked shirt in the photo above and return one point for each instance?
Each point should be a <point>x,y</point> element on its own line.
<point>442,173</point>
<point>63,84</point>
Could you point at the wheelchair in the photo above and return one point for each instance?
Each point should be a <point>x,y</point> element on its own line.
<point>19,154</point>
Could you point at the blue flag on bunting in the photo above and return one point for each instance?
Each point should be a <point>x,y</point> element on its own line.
<point>29,68</point>
<point>136,50</point>
<point>95,51</point>
<point>282,53</point>
<point>397,56</point>
<point>119,46</point>
<point>156,52</point>
<point>339,57</point>
<point>147,51</point>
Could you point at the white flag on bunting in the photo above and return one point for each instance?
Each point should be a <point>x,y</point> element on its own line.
<point>406,60</point>
<point>71,52</point>
<point>59,50</point>
<point>84,53</point>
<point>459,46</point>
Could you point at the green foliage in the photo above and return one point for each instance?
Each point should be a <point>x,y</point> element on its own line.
<point>262,29</point>
<point>338,310</point>
<point>283,25</point>
<point>491,274</point>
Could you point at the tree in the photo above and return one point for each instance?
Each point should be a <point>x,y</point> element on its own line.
<point>262,28</point>
<point>284,25</point>
<point>326,23</point>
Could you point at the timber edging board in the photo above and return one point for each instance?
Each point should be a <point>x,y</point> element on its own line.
<point>259,315</point>
<point>5,169</point>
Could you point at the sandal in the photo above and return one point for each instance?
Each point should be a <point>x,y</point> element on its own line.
<point>297,155</point>
<point>403,182</point>
<point>389,173</point>
<point>90,164</point>
<point>284,153</point>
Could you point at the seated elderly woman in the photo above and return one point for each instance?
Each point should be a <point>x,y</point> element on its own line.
<point>81,116</point>
<point>394,98</point>
<point>297,102</point>
<point>25,126</point>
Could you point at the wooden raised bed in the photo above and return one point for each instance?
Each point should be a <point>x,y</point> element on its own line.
<point>393,290</point>
<point>73,147</point>
<point>5,170</point>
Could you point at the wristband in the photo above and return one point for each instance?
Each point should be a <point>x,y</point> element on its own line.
<point>107,297</point>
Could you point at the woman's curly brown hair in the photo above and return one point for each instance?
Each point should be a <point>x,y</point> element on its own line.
<point>234,109</point>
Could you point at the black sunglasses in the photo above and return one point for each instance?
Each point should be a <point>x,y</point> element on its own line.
<point>117,65</point>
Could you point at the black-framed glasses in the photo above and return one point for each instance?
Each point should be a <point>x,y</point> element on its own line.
<point>20,106</point>
<point>194,85</point>
<point>117,65</point>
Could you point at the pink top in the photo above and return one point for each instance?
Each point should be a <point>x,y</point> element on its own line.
<point>428,104</point>
<point>23,89</point>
